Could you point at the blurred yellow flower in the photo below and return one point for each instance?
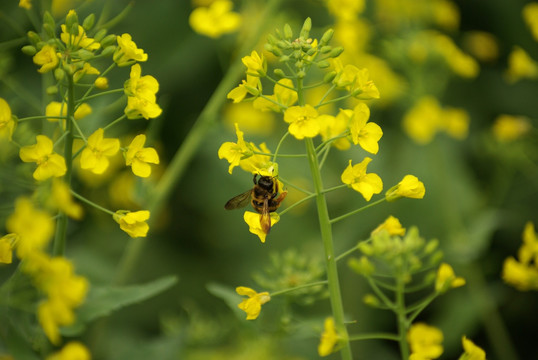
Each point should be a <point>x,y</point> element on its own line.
<point>95,155</point>
<point>253,304</point>
<point>250,119</point>
<point>49,163</point>
<point>7,243</point>
<point>446,14</point>
<point>425,340</point>
<point>138,157</point>
<point>446,279</point>
<point>87,69</point>
<point>364,133</point>
<point>481,45</point>
<point>254,226</point>
<point>410,187</point>
<point>283,97</point>
<point>216,20</point>
<point>528,251</point>
<point>302,120</point>
<point>523,277</point>
<point>461,63</point>
<point>7,123</point>
<point>329,338</point>
<point>530,15</point>
<point>73,350</point>
<point>133,223</point>
<point>141,95</point>
<point>520,66</point>
<point>333,126</point>
<point>33,226</point>
<point>508,128</point>
<point>472,352</point>
<point>53,313</point>
<point>127,51</point>
<point>27,4</point>
<point>62,199</point>
<point>46,58</point>
<point>345,9</point>
<point>391,225</point>
<point>356,177</point>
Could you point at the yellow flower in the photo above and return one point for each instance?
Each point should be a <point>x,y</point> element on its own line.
<point>127,51</point>
<point>33,226</point>
<point>95,156</point>
<point>472,352</point>
<point>53,313</point>
<point>215,20</point>
<point>238,93</point>
<point>521,66</point>
<point>359,180</point>
<point>46,58</point>
<point>141,95</point>
<point>529,250</point>
<point>522,276</point>
<point>55,110</point>
<point>7,123</point>
<point>101,83</point>
<point>356,81</point>
<point>27,4</point>
<point>508,128</point>
<point>458,61</point>
<point>482,45</point>
<point>425,340</point>
<point>7,243</point>
<point>446,14</point>
<point>422,121</point>
<point>345,9</point>
<point>49,163</point>
<point>234,152</point>
<point>78,40</point>
<point>253,304</point>
<point>329,338</point>
<point>332,126</point>
<point>256,163</point>
<point>61,199</point>
<point>254,226</point>
<point>256,64</point>
<point>282,95</point>
<point>391,225</point>
<point>250,119</point>
<point>138,157</point>
<point>455,122</point>
<point>87,69</point>
<point>530,15</point>
<point>410,187</point>
<point>446,279</point>
<point>303,121</point>
<point>133,223</point>
<point>362,132</point>
<point>73,350</point>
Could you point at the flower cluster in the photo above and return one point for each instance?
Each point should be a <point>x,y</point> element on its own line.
<point>522,273</point>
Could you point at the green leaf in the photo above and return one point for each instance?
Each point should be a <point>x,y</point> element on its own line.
<point>103,300</point>
<point>228,295</point>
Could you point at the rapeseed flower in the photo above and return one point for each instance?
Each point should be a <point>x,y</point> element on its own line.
<point>410,187</point>
<point>73,350</point>
<point>238,93</point>
<point>49,164</point>
<point>139,157</point>
<point>46,58</point>
<point>95,155</point>
<point>472,352</point>
<point>55,111</point>
<point>530,15</point>
<point>507,128</point>
<point>447,279</point>
<point>26,4</point>
<point>7,122</point>
<point>62,200</point>
<point>235,152</point>
<point>303,121</point>
<point>329,338</point>
<point>253,304</point>
<point>141,95</point>
<point>523,272</point>
<point>356,81</point>
<point>364,133</point>
<point>254,225</point>
<point>127,51</point>
<point>78,40</point>
<point>282,98</point>
<point>133,223</point>
<point>520,66</point>
<point>256,64</point>
<point>356,177</point>
<point>215,20</point>
<point>425,341</point>
<point>7,243</point>
<point>334,126</point>
<point>391,225</point>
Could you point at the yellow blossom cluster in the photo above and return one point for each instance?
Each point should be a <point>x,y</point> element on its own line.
<point>522,273</point>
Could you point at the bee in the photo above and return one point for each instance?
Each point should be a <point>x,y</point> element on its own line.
<point>262,197</point>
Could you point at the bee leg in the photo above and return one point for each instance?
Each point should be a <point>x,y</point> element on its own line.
<point>255,179</point>
<point>281,197</point>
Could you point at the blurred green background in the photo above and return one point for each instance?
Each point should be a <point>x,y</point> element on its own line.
<point>479,195</point>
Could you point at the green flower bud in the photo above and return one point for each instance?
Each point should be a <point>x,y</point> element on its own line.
<point>108,51</point>
<point>329,77</point>
<point>252,90</point>
<point>279,73</point>
<point>109,40</point>
<point>271,39</point>
<point>71,22</point>
<point>325,49</point>
<point>59,74</point>
<point>301,74</point>
<point>284,58</point>
<point>85,54</point>
<point>100,35</point>
<point>52,90</point>
<point>283,44</point>
<point>288,33</point>
<point>49,30</point>
<point>371,300</point>
<point>431,246</point>
<point>33,37</point>
<point>362,266</point>
<point>311,51</point>
<point>305,31</point>
<point>49,20</point>
<point>88,23</point>
<point>323,64</point>
<point>29,50</point>
<point>336,52</point>
<point>326,38</point>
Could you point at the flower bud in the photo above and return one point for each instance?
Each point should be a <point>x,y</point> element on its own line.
<point>305,31</point>
<point>101,83</point>
<point>49,30</point>
<point>52,90</point>
<point>59,74</point>
<point>71,22</point>
<point>100,35</point>
<point>88,22</point>
<point>279,73</point>
<point>323,64</point>
<point>371,300</point>
<point>311,51</point>
<point>336,52</point>
<point>49,19</point>
<point>325,49</point>
<point>108,51</point>
<point>301,74</point>
<point>33,37</point>
<point>252,90</point>
<point>326,38</point>
<point>288,33</point>
<point>362,266</point>
<point>29,50</point>
<point>329,77</point>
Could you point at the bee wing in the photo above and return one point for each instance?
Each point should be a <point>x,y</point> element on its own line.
<point>239,201</point>
<point>265,217</point>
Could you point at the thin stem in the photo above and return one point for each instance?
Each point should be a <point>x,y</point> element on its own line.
<point>417,308</point>
<point>347,252</point>
<point>114,122</point>
<point>381,294</point>
<point>342,217</point>
<point>61,229</point>
<point>374,336</point>
<point>285,291</point>
<point>304,191</point>
<point>296,204</point>
<point>401,316</point>
<point>325,191</point>
<point>279,145</point>
<point>91,203</point>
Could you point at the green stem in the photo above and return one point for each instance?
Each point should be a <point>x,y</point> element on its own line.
<point>373,336</point>
<point>306,198</point>
<point>91,203</point>
<point>58,248</point>
<point>381,294</point>
<point>417,308</point>
<point>285,291</point>
<point>178,165</point>
<point>342,217</point>
<point>327,238</point>
<point>400,313</point>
